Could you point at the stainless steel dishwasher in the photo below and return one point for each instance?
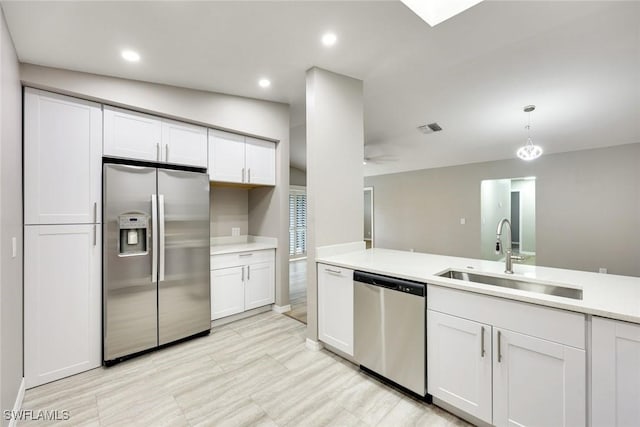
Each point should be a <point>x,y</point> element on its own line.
<point>390,329</point>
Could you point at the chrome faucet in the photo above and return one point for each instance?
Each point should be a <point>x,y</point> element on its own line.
<point>508,259</point>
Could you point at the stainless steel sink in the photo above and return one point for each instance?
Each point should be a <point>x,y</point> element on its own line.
<point>540,288</point>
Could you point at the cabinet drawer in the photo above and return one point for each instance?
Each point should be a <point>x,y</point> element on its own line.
<point>552,324</point>
<point>241,258</point>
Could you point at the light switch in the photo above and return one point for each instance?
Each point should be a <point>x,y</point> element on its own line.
<point>14,247</point>
<point>463,221</point>
<point>602,270</point>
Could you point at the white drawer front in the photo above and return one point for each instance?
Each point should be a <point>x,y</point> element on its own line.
<point>564,327</point>
<point>241,258</point>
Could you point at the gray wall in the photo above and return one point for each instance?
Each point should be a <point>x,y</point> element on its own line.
<point>335,148</point>
<point>587,208</point>
<point>10,222</point>
<point>229,208</point>
<point>297,177</point>
<point>268,207</point>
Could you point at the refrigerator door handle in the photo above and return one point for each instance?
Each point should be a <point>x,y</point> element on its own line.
<point>154,237</point>
<point>161,235</point>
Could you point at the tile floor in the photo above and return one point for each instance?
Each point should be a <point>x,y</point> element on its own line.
<point>253,372</point>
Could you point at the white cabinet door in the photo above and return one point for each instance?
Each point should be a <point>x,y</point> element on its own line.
<point>62,301</point>
<point>459,363</point>
<point>184,144</point>
<point>335,307</point>
<point>260,161</point>
<point>260,285</point>
<point>62,159</point>
<point>615,372</point>
<point>537,382</point>
<point>227,292</point>
<point>132,135</point>
<point>226,157</point>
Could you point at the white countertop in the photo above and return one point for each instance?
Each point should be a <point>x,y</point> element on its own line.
<point>229,245</point>
<point>606,295</point>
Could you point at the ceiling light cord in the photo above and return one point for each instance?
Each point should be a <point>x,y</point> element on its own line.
<point>529,151</point>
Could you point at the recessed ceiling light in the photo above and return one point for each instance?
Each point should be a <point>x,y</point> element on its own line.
<point>434,12</point>
<point>264,82</point>
<point>329,39</point>
<point>131,56</point>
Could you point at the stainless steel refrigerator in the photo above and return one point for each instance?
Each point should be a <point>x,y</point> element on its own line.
<point>156,258</point>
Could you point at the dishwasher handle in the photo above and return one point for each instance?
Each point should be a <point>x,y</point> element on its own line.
<point>392,283</point>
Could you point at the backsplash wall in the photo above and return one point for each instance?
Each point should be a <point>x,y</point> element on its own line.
<point>229,208</point>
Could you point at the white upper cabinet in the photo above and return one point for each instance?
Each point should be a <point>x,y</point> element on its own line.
<point>62,159</point>
<point>242,160</point>
<point>615,371</point>
<point>226,157</point>
<point>184,144</point>
<point>132,135</point>
<point>138,136</point>
<point>260,161</point>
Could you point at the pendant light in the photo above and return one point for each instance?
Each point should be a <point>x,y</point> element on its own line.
<point>529,151</point>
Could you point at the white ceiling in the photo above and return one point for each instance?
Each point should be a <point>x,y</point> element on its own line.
<point>579,62</point>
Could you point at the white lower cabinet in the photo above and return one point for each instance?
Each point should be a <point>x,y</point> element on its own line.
<point>241,282</point>
<point>505,362</point>
<point>537,382</point>
<point>335,307</point>
<point>615,371</point>
<point>459,363</point>
<point>227,292</point>
<point>62,301</point>
<point>259,287</point>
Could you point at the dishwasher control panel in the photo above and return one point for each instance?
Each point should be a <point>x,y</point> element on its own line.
<point>391,283</point>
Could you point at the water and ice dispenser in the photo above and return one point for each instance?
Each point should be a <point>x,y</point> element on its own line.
<point>134,229</point>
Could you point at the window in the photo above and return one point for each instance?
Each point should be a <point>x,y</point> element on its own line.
<point>297,222</point>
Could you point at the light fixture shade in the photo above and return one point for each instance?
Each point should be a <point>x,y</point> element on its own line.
<point>434,12</point>
<point>529,151</point>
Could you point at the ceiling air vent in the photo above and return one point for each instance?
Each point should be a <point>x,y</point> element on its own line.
<point>430,128</point>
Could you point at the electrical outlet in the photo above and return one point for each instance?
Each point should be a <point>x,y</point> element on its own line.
<point>235,231</point>
<point>602,270</point>
<point>463,221</point>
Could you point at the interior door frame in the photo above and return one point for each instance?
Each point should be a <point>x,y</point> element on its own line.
<point>373,228</point>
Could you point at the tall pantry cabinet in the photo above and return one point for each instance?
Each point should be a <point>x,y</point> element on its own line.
<point>62,217</point>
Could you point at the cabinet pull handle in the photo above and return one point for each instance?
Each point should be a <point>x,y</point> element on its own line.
<point>248,272</point>
<point>243,274</point>
<point>249,254</point>
<point>95,212</point>
<point>482,341</point>
<point>166,149</point>
<point>249,175</point>
<point>499,347</point>
<point>242,174</point>
<point>328,270</point>
<point>95,232</point>
<point>157,151</point>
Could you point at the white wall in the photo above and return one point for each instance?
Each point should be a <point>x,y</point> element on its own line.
<point>268,207</point>
<point>527,189</point>
<point>229,208</point>
<point>11,368</point>
<point>335,149</point>
<point>587,208</point>
<point>495,196</point>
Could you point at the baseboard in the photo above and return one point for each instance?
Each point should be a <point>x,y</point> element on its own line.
<point>281,308</point>
<point>313,345</point>
<point>17,406</point>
